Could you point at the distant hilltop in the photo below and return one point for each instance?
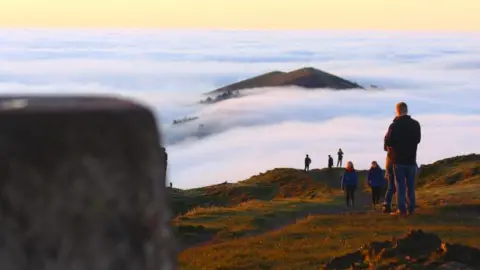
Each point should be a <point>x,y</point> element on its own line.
<point>308,77</point>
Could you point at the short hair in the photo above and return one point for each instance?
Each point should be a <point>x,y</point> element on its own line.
<point>401,107</point>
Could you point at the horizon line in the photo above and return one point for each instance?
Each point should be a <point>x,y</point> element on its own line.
<point>231,29</point>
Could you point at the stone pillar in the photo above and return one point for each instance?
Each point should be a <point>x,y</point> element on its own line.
<point>82,186</point>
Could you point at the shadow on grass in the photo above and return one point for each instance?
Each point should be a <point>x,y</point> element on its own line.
<point>463,209</point>
<point>189,235</point>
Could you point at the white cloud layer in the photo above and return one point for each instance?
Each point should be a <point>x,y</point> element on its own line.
<point>437,75</point>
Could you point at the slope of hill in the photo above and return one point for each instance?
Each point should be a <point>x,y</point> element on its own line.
<point>461,169</point>
<point>305,77</point>
<point>274,231</point>
<point>263,80</point>
<point>281,183</point>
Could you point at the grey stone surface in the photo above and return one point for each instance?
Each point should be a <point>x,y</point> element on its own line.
<point>82,186</point>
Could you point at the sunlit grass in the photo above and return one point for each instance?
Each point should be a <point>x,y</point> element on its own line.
<point>310,242</point>
<point>300,231</point>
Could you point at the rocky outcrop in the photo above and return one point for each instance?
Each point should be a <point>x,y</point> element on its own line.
<point>82,186</point>
<point>416,250</point>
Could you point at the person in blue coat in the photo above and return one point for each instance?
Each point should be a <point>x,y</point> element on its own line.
<point>349,184</point>
<point>376,180</point>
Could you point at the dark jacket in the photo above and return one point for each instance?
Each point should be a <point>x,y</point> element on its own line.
<point>376,177</point>
<point>402,139</point>
<point>350,178</point>
<point>308,161</point>
<point>330,161</point>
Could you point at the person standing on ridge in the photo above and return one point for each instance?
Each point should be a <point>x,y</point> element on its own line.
<point>330,162</point>
<point>164,156</point>
<point>375,181</point>
<point>307,163</point>
<point>402,139</point>
<point>340,157</point>
<point>349,184</point>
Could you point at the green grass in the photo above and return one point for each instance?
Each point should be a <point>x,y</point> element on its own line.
<point>272,231</point>
<point>249,218</point>
<point>280,183</point>
<point>450,171</point>
<point>308,243</point>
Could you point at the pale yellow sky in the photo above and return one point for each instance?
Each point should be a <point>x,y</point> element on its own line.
<point>443,15</point>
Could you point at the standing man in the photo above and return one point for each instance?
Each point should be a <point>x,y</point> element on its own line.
<point>401,140</point>
<point>340,157</point>
<point>330,162</point>
<point>307,163</point>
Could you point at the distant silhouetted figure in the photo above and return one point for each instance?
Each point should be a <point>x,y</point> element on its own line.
<point>165,157</point>
<point>401,140</point>
<point>171,185</point>
<point>330,162</point>
<point>349,184</point>
<point>376,181</point>
<point>307,163</point>
<point>340,157</point>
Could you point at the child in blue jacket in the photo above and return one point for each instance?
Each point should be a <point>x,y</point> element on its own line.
<point>376,180</point>
<point>349,184</point>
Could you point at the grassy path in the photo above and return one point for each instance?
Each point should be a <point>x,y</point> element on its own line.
<point>203,226</point>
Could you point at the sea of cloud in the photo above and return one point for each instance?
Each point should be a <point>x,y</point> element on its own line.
<point>436,74</point>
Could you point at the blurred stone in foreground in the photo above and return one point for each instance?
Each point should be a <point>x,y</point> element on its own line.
<point>82,186</point>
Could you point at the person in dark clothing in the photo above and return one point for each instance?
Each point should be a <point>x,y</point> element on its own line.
<point>375,181</point>
<point>349,184</point>
<point>165,156</point>
<point>307,163</point>
<point>330,162</point>
<point>391,190</point>
<point>340,157</point>
<point>401,140</point>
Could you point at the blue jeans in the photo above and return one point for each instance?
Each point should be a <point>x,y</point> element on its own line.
<point>390,188</point>
<point>405,184</point>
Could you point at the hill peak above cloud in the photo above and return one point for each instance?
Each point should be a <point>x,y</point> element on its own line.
<point>307,77</point>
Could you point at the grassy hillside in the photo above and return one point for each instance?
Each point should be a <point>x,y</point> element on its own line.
<point>310,242</point>
<point>290,219</point>
<point>460,170</point>
<point>307,77</point>
<point>274,184</point>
